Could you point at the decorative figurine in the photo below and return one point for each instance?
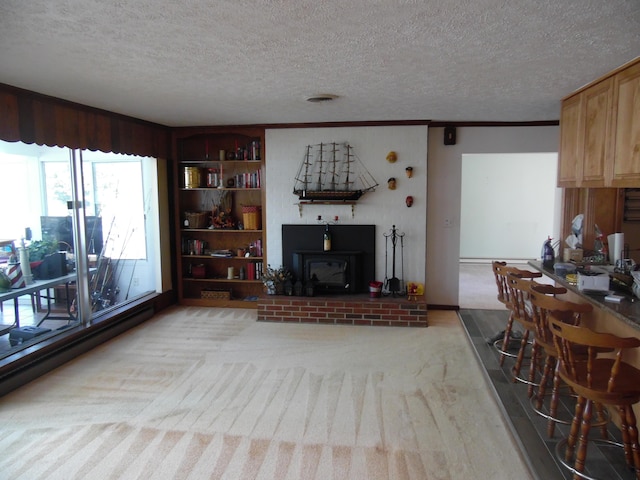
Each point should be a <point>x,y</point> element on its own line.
<point>391,183</point>
<point>409,172</point>
<point>409,201</point>
<point>392,157</point>
<point>288,287</point>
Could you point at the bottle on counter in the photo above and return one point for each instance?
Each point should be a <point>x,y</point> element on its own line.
<point>547,255</point>
<point>326,239</point>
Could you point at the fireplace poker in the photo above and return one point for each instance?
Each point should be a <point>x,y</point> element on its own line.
<point>392,284</point>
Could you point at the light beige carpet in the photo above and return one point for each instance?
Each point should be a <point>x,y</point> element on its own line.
<point>477,285</point>
<point>207,393</point>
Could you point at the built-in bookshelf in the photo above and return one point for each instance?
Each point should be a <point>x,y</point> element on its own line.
<point>219,216</point>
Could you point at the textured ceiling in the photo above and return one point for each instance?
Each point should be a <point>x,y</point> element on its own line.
<point>210,62</point>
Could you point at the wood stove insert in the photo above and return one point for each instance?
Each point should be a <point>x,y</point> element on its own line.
<point>355,244</point>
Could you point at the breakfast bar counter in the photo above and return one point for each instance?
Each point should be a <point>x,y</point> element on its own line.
<point>627,311</point>
<point>621,319</point>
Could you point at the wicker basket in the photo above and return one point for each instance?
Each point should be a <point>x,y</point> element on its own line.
<point>197,219</point>
<point>216,294</point>
<point>252,217</point>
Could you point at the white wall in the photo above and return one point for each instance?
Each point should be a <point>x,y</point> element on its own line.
<point>285,150</point>
<point>444,193</point>
<point>436,189</point>
<point>495,188</point>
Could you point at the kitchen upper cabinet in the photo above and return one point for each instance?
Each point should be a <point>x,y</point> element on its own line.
<point>597,133</point>
<point>626,157</point>
<point>585,129</point>
<point>600,132</point>
<point>571,143</point>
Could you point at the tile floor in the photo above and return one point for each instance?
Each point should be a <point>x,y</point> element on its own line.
<point>483,316</point>
<point>528,427</point>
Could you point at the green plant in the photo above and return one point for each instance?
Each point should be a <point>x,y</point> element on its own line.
<point>38,249</point>
<point>5,281</point>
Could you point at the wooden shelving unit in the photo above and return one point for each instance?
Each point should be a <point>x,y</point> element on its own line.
<point>219,189</point>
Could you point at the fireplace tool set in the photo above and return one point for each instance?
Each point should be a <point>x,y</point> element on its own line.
<point>393,285</point>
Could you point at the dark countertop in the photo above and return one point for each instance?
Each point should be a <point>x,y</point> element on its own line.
<point>628,310</point>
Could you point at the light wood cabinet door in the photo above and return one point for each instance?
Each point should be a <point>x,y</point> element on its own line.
<point>626,160</point>
<point>571,142</point>
<point>597,103</point>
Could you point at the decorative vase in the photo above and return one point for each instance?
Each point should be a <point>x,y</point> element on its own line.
<point>271,287</point>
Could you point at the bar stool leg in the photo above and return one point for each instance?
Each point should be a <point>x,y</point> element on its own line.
<point>533,367</point>
<point>520,358</point>
<point>555,393</point>
<point>575,426</point>
<point>542,389</point>
<point>506,338</point>
<point>581,454</point>
<point>630,438</point>
<point>626,437</point>
<point>602,420</point>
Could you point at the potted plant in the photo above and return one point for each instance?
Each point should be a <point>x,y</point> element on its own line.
<point>42,264</point>
<point>274,279</point>
<point>5,281</point>
<point>38,249</point>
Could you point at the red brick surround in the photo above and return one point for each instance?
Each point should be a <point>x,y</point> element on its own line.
<point>344,310</point>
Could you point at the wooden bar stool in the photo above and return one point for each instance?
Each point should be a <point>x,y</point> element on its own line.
<point>543,301</point>
<point>501,272</point>
<point>519,286</point>
<point>596,378</point>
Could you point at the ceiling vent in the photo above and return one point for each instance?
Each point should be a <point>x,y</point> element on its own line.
<point>321,97</point>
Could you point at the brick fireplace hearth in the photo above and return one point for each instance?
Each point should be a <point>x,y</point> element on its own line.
<point>344,310</point>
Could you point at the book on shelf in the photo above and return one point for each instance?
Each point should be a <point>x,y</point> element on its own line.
<point>222,253</point>
<point>247,180</point>
<point>193,247</point>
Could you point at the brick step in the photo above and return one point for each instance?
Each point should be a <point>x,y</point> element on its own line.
<point>344,310</point>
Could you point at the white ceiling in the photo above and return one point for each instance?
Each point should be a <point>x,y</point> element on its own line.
<point>212,62</point>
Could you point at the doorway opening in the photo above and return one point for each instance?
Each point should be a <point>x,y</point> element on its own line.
<point>509,205</point>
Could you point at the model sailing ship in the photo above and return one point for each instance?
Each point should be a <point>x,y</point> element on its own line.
<point>331,171</point>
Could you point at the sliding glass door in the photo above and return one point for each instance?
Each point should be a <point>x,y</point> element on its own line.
<point>88,219</point>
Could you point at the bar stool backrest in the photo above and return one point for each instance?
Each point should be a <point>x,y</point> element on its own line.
<point>543,299</point>
<point>501,272</point>
<point>582,365</point>
<point>518,286</point>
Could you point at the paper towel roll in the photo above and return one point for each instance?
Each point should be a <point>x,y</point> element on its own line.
<point>616,246</point>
